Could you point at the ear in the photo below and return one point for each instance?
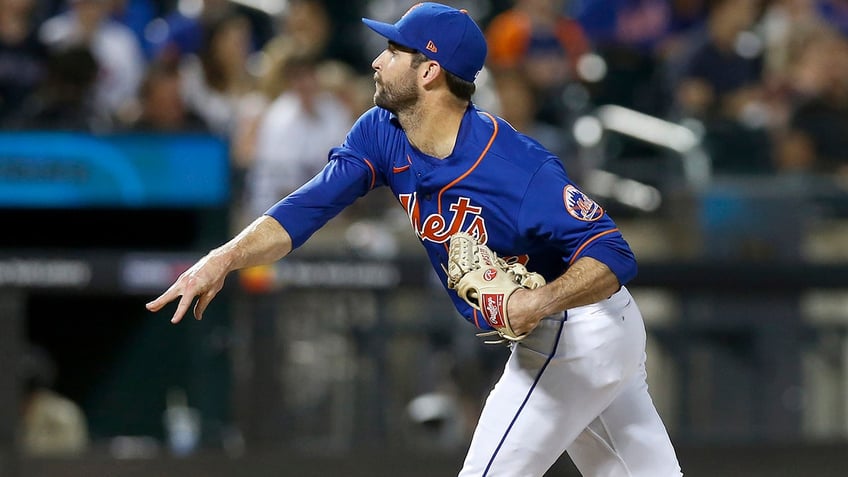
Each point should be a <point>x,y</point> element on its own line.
<point>432,70</point>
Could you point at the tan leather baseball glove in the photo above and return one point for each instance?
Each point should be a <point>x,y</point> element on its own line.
<point>486,282</point>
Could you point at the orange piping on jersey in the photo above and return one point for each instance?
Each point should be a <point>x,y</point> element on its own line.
<point>373,173</point>
<point>476,163</point>
<point>463,176</point>
<point>403,168</point>
<point>577,253</point>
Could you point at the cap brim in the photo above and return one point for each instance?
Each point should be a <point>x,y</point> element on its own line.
<point>386,30</point>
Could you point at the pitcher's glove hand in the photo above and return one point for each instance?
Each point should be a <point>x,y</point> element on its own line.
<point>486,282</point>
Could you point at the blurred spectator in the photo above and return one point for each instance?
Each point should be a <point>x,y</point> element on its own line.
<point>117,51</point>
<point>634,37</point>
<point>23,56</point>
<point>835,12</point>
<point>217,85</point>
<point>305,30</point>
<point>720,82</point>
<point>65,99</point>
<point>518,106</point>
<point>816,137</point>
<point>183,31</point>
<point>346,44</point>
<point>51,424</point>
<point>309,93</point>
<point>786,26</point>
<point>137,15</point>
<point>686,16</point>
<point>294,134</point>
<point>161,106</point>
<point>356,91</point>
<point>637,24</point>
<point>722,71</point>
<point>537,37</point>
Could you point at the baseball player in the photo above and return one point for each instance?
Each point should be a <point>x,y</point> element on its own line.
<point>575,381</point>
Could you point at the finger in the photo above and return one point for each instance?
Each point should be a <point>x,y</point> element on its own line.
<point>168,296</point>
<point>202,302</point>
<point>158,303</point>
<point>182,307</point>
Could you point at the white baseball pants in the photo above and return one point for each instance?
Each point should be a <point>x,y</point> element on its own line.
<point>579,386</point>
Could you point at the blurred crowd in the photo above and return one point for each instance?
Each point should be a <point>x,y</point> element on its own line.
<point>767,79</point>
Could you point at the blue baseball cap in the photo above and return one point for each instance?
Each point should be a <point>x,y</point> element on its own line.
<point>441,33</point>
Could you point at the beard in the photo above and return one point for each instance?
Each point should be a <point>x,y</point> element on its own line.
<point>397,97</point>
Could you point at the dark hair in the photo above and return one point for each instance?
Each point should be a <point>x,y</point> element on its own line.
<point>156,71</point>
<point>212,68</point>
<point>459,87</point>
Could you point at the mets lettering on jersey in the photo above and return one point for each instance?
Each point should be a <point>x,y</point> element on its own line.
<point>435,227</point>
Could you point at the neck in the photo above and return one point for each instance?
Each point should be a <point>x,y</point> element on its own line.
<point>432,126</point>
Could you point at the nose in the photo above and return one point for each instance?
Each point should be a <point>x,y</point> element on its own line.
<point>376,63</point>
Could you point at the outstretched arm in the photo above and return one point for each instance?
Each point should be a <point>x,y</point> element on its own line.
<point>263,241</point>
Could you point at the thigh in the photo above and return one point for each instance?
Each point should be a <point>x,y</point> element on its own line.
<point>628,439</point>
<point>555,383</point>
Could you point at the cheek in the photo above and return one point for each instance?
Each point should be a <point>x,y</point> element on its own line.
<point>399,72</point>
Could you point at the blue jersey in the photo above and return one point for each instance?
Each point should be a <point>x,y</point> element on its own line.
<point>498,184</point>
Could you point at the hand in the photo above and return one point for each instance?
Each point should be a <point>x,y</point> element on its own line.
<point>202,281</point>
<point>522,310</point>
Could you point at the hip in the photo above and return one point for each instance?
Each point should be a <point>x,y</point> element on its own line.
<point>615,322</point>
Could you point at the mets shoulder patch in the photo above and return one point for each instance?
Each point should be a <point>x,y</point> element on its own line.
<point>580,206</point>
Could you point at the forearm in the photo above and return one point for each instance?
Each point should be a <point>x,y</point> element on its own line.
<point>586,281</point>
<point>262,242</point>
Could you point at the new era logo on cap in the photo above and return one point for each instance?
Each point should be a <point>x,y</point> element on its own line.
<point>442,33</point>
